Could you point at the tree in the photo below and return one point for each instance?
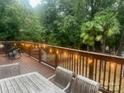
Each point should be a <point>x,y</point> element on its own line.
<point>9,21</point>
<point>70,32</point>
<point>31,28</point>
<point>60,23</point>
<point>18,23</point>
<point>102,28</point>
<point>49,21</point>
<point>121,20</point>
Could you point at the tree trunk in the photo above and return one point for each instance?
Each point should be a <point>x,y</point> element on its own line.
<point>94,49</point>
<point>88,48</point>
<point>103,45</point>
<point>92,9</point>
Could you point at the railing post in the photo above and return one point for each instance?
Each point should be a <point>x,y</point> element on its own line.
<point>56,60</point>
<point>91,68</point>
<point>40,55</point>
<point>29,51</point>
<point>24,47</point>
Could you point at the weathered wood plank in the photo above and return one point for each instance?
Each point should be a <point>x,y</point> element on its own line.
<point>28,83</point>
<point>0,89</point>
<point>10,86</point>
<point>4,88</point>
<point>15,86</point>
<point>21,86</point>
<point>41,86</point>
<point>48,83</point>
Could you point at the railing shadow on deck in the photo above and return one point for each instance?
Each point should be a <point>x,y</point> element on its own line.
<point>105,69</point>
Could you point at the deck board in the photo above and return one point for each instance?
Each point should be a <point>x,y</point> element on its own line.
<point>28,64</point>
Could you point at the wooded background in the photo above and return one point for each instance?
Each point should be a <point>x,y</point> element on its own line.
<point>95,25</point>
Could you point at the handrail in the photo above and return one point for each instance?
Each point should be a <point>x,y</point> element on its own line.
<point>108,56</point>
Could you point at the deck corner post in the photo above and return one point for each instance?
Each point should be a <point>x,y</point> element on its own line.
<point>56,60</point>
<point>91,69</point>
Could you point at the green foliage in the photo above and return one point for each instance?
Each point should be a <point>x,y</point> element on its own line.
<point>121,14</point>
<point>9,21</point>
<point>69,23</point>
<point>88,34</point>
<point>61,27</point>
<point>102,28</point>
<point>107,22</point>
<point>70,30</point>
<point>30,28</point>
<point>16,23</point>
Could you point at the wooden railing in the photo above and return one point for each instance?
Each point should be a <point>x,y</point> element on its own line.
<point>105,69</point>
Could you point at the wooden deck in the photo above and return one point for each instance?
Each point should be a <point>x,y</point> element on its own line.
<point>28,64</point>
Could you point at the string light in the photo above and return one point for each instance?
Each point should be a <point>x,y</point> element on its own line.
<point>14,44</point>
<point>65,54</point>
<point>76,56</point>
<point>57,52</point>
<point>90,60</point>
<point>50,50</point>
<point>44,46</point>
<point>27,45</point>
<point>36,46</point>
<point>22,44</point>
<point>113,65</point>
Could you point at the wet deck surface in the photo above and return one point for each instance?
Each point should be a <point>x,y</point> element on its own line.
<point>28,64</point>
